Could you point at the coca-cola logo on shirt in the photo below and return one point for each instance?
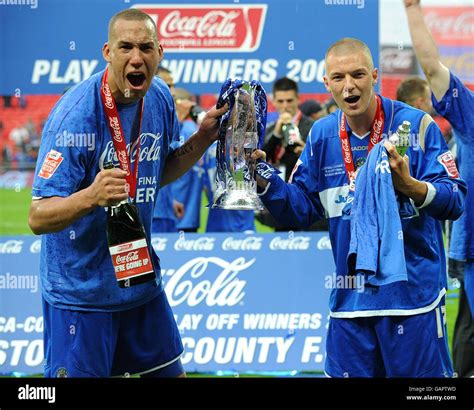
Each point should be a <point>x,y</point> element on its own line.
<point>195,282</point>
<point>148,151</point>
<point>451,25</point>
<point>208,28</point>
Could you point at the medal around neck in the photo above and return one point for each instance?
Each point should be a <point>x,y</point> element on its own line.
<point>241,132</point>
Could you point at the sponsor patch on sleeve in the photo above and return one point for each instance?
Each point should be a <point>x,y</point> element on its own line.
<point>50,164</point>
<point>447,161</point>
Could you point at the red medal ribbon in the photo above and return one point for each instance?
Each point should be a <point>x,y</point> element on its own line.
<point>375,137</point>
<point>116,131</point>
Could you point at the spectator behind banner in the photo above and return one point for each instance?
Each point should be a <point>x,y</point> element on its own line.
<point>166,76</point>
<point>455,102</point>
<point>188,188</point>
<point>394,330</point>
<point>281,153</point>
<point>415,91</point>
<point>330,106</point>
<point>117,331</point>
<point>312,109</point>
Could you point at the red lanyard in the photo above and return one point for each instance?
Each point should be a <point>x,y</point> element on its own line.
<point>116,131</point>
<point>375,136</point>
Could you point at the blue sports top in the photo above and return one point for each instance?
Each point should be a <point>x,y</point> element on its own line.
<point>457,106</point>
<point>320,188</point>
<point>76,269</point>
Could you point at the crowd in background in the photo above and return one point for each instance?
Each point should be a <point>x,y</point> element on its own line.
<point>20,145</point>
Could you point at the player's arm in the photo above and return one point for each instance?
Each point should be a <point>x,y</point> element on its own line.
<point>181,159</point>
<point>426,50</point>
<point>56,213</point>
<point>295,204</point>
<point>435,185</point>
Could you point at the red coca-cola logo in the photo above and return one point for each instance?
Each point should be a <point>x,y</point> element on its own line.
<point>208,28</point>
<point>343,124</point>
<point>129,257</point>
<point>451,25</point>
<point>377,131</point>
<point>109,101</point>
<point>395,61</point>
<point>115,125</point>
<point>122,157</point>
<point>346,151</point>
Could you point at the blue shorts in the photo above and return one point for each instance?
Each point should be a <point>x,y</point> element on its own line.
<point>389,346</point>
<point>101,344</point>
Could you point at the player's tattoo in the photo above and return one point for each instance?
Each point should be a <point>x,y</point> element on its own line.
<point>184,150</point>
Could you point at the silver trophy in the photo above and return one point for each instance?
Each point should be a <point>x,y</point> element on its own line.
<point>236,186</point>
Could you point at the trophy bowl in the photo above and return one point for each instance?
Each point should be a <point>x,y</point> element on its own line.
<point>236,184</point>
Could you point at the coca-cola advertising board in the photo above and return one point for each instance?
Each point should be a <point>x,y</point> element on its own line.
<point>398,61</point>
<point>204,42</point>
<point>453,31</point>
<point>208,28</point>
<point>243,303</point>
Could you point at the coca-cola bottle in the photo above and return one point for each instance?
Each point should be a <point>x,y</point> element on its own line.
<point>290,133</point>
<point>128,244</point>
<point>401,138</point>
